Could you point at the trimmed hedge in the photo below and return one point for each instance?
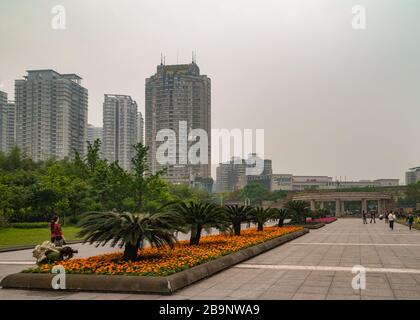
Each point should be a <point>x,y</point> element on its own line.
<point>30,225</point>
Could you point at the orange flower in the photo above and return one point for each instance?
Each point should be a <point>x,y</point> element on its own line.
<point>165,261</point>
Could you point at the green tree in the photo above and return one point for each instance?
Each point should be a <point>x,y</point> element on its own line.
<point>130,230</point>
<point>199,216</point>
<point>281,214</point>
<point>254,192</point>
<point>297,210</point>
<point>260,216</point>
<point>236,215</point>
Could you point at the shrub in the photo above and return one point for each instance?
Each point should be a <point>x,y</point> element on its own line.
<point>30,225</point>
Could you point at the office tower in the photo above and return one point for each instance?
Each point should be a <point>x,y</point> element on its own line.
<point>120,129</point>
<point>7,123</point>
<point>94,133</point>
<point>140,128</point>
<point>51,114</point>
<point>178,94</point>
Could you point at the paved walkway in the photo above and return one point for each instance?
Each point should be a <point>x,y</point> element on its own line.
<point>315,266</point>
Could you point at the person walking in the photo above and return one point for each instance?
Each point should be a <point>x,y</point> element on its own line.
<point>57,237</point>
<point>364,217</point>
<point>391,218</point>
<point>386,218</point>
<point>410,221</point>
<point>373,216</point>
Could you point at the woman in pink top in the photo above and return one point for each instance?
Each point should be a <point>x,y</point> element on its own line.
<point>57,236</point>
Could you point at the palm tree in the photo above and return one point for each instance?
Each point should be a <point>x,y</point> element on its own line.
<point>199,216</point>
<point>297,210</point>
<point>236,215</point>
<point>130,230</point>
<point>281,214</point>
<point>260,216</point>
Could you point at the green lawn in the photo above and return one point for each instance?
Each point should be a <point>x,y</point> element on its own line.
<point>10,237</point>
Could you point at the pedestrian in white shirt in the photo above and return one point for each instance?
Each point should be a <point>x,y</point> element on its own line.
<point>391,219</point>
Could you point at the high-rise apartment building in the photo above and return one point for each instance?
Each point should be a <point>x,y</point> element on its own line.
<point>94,133</point>
<point>51,114</point>
<point>7,123</point>
<point>119,129</point>
<point>140,128</point>
<point>177,95</point>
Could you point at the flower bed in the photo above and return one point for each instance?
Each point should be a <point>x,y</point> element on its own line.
<point>324,220</point>
<point>166,261</point>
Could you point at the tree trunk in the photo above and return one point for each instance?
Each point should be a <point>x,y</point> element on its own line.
<point>260,226</point>
<point>192,236</point>
<point>281,223</point>
<point>197,236</point>
<point>130,251</point>
<point>237,228</point>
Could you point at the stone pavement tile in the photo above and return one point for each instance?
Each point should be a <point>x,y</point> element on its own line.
<point>377,292</point>
<point>284,289</point>
<point>171,297</point>
<point>317,283</point>
<point>344,291</point>
<point>342,297</point>
<point>289,282</point>
<point>376,298</point>
<point>299,296</point>
<point>296,274</point>
<point>82,296</point>
<point>129,296</point>
<point>11,294</point>
<point>306,289</point>
<point>341,284</point>
<point>407,294</point>
<point>276,295</point>
<point>216,293</point>
<point>405,286</point>
<point>245,294</point>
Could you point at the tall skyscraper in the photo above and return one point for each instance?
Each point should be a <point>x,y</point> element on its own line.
<point>7,123</point>
<point>174,94</point>
<point>120,129</point>
<point>51,114</point>
<point>140,128</point>
<point>94,133</point>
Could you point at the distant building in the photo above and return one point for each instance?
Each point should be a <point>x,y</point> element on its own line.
<point>289,182</point>
<point>120,129</point>
<point>178,94</point>
<point>412,175</point>
<point>7,123</point>
<point>140,128</point>
<point>94,133</point>
<point>232,175</point>
<point>51,114</point>
<point>205,184</point>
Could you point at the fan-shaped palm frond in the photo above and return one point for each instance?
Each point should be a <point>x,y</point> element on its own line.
<point>130,230</point>
<point>261,216</point>
<point>236,215</point>
<point>199,216</point>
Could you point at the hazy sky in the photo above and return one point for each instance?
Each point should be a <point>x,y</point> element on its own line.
<point>332,100</point>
